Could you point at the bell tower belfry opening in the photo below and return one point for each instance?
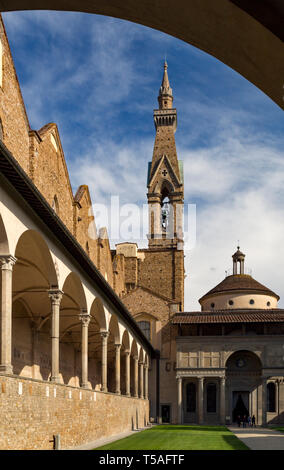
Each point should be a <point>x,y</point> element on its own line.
<point>165,175</point>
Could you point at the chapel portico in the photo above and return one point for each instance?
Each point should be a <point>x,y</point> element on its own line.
<point>229,361</point>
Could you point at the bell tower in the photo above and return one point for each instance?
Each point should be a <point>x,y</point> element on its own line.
<point>165,176</point>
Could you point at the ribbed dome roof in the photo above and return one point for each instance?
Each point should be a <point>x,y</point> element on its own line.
<point>239,283</point>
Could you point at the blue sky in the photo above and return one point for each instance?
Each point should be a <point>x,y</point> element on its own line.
<point>98,79</point>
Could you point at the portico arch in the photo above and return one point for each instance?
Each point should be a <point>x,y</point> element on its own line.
<point>33,275</point>
<point>244,385</point>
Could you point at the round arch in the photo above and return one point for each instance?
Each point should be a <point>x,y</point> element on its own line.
<point>32,250</point>
<point>99,314</point>
<point>246,36</point>
<point>250,360</point>
<point>4,244</point>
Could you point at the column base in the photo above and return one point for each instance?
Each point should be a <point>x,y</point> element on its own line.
<point>103,389</point>
<point>118,392</point>
<point>128,394</point>
<point>85,385</point>
<point>6,369</point>
<point>55,379</point>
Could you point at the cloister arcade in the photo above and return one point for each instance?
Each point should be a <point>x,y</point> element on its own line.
<point>55,325</point>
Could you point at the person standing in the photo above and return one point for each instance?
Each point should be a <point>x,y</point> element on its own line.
<point>253,421</point>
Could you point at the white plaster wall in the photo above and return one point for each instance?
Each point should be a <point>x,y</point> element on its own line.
<point>241,300</point>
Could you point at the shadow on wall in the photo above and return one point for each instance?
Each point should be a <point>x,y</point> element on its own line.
<point>279,419</point>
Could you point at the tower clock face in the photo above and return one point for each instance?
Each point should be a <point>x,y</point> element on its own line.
<point>240,362</point>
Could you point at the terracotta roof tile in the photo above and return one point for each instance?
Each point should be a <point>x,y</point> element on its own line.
<point>230,316</point>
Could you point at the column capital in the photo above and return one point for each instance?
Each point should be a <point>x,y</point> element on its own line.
<point>117,346</point>
<point>7,262</point>
<point>126,352</point>
<point>55,296</point>
<point>85,318</point>
<point>104,334</point>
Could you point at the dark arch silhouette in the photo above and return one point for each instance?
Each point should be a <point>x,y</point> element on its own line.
<point>246,35</point>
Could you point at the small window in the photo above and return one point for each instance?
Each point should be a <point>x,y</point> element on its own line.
<point>87,249</point>
<point>55,205</point>
<point>268,304</point>
<point>231,302</point>
<point>212,305</point>
<point>251,301</point>
<point>145,327</point>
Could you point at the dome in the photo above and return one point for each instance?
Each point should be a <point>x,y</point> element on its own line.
<point>239,291</point>
<point>239,283</point>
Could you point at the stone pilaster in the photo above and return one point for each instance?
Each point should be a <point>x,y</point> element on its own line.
<point>179,401</point>
<point>6,263</point>
<point>117,369</point>
<point>264,400</point>
<point>55,296</point>
<point>141,367</point>
<point>127,373</point>
<point>222,400</point>
<point>146,379</point>
<point>85,321</point>
<point>135,377</point>
<point>104,336</point>
<point>200,399</point>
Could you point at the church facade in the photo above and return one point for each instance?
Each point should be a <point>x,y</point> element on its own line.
<point>94,340</point>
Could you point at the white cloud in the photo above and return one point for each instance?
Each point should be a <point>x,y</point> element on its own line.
<point>88,76</point>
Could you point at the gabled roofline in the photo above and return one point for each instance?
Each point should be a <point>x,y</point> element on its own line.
<point>16,177</point>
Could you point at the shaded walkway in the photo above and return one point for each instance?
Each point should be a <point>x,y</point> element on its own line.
<point>259,438</point>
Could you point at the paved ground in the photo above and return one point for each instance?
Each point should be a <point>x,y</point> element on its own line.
<point>104,441</point>
<point>259,438</point>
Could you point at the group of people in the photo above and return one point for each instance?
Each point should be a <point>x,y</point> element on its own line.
<point>246,420</point>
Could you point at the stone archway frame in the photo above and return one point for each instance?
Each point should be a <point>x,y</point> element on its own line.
<point>246,36</point>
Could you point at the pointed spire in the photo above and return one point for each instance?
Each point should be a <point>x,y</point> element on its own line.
<point>165,88</point>
<point>165,98</point>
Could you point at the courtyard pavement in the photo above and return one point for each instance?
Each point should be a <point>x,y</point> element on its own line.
<point>259,438</point>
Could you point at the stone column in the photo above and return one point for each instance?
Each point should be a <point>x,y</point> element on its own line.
<point>179,401</point>
<point>117,368</point>
<point>127,373</point>
<point>135,376</point>
<point>146,388</point>
<point>200,399</point>
<point>55,296</point>
<point>7,263</point>
<point>85,320</point>
<point>264,400</point>
<point>222,400</point>
<point>104,335</point>
<point>141,367</point>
